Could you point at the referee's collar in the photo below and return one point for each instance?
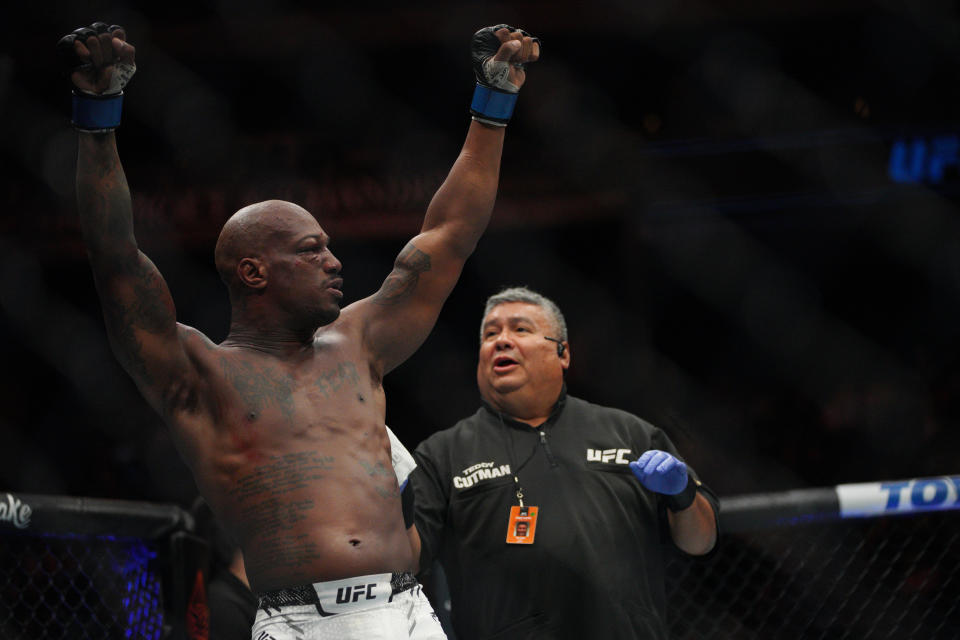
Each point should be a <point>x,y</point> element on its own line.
<point>507,419</point>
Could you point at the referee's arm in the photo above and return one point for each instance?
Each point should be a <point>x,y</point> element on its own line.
<point>694,529</point>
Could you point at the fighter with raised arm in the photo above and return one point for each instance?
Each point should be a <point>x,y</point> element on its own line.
<point>282,423</point>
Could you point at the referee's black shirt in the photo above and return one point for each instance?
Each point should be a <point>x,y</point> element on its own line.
<point>596,568</point>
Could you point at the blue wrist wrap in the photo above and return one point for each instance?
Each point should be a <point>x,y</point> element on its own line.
<point>492,105</point>
<point>97,113</point>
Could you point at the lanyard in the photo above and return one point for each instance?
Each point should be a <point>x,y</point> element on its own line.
<point>511,458</point>
<point>522,522</point>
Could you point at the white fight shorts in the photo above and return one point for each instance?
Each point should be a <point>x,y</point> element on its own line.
<point>376,607</point>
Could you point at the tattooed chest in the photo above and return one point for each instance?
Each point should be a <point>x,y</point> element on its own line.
<point>257,391</point>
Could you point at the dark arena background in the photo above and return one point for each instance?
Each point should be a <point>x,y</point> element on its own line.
<point>749,212</point>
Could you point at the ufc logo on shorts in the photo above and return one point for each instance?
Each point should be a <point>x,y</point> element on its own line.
<point>353,594</point>
<point>618,456</point>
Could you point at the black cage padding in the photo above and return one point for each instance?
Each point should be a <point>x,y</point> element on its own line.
<point>95,516</point>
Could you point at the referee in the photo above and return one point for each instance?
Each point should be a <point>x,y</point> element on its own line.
<point>550,515</point>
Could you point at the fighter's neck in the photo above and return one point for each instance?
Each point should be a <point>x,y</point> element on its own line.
<point>272,340</point>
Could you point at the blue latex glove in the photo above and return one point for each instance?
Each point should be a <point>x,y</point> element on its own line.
<point>660,472</point>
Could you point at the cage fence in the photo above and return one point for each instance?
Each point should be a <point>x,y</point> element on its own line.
<point>853,562</point>
<point>85,568</point>
<point>64,586</point>
<point>892,578</point>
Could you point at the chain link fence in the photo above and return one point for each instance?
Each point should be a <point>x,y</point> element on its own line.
<point>79,587</point>
<point>890,578</point>
<point>883,578</point>
<point>78,568</point>
<point>871,561</point>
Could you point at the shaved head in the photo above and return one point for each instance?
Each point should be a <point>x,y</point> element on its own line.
<point>276,262</point>
<point>252,231</point>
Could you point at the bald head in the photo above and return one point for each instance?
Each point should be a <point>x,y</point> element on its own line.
<point>251,231</point>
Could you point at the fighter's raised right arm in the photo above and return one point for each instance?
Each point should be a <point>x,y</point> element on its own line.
<point>137,306</point>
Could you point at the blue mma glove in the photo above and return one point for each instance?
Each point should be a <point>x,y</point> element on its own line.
<point>494,96</point>
<point>662,473</point>
<point>96,111</point>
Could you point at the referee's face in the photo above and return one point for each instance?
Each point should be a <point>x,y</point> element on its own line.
<point>517,363</point>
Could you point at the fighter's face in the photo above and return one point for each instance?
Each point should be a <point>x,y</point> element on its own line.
<point>515,354</point>
<point>304,272</point>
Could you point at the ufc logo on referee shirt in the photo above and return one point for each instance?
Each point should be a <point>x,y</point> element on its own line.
<point>617,456</point>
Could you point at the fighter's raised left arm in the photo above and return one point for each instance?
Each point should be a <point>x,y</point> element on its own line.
<point>398,317</point>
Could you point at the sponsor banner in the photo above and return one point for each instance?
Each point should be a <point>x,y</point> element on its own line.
<point>14,511</point>
<point>898,496</point>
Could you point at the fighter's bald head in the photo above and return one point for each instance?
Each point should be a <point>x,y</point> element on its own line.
<point>251,231</point>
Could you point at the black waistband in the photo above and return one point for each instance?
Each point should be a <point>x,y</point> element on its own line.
<point>306,594</point>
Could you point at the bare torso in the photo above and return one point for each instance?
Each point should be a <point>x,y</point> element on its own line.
<point>294,458</point>
<point>285,435</point>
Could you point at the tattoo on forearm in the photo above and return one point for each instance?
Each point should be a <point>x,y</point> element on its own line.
<point>152,309</point>
<point>103,198</point>
<point>402,281</point>
<point>140,301</point>
<point>146,307</point>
